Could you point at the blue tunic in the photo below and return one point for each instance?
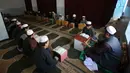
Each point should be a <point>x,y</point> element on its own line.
<point>107,53</point>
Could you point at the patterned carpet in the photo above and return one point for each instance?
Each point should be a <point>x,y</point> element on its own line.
<point>12,61</point>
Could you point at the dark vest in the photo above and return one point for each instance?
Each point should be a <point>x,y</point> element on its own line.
<point>33,43</point>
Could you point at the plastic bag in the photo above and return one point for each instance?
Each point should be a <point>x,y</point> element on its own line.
<point>90,64</point>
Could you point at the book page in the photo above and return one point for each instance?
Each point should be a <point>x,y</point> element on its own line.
<point>59,50</point>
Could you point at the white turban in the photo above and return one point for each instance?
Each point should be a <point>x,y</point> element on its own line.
<point>5,18</point>
<point>18,23</point>
<point>30,32</point>
<point>74,15</point>
<point>88,22</point>
<point>24,26</point>
<point>43,39</point>
<point>14,19</point>
<point>111,30</point>
<point>83,16</point>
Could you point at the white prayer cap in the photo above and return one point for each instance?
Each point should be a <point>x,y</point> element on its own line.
<point>43,39</point>
<point>83,16</point>
<point>5,18</point>
<point>74,15</point>
<point>24,26</point>
<point>29,32</point>
<point>14,19</point>
<point>88,22</point>
<point>18,23</point>
<point>111,30</point>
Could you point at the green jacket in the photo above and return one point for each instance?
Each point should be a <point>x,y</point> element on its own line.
<point>90,32</point>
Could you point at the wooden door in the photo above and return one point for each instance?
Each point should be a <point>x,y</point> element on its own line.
<point>46,6</point>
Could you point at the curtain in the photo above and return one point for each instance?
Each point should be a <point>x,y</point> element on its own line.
<point>99,12</point>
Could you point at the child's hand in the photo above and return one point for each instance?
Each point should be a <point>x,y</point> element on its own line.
<point>56,58</point>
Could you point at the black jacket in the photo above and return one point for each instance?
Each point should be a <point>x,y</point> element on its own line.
<point>44,60</point>
<point>16,31</point>
<point>90,32</point>
<point>27,50</point>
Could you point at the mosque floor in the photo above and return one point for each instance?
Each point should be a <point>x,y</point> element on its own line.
<point>12,61</point>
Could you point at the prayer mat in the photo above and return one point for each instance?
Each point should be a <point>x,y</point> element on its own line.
<point>49,24</point>
<point>44,23</point>
<point>11,54</point>
<point>43,32</point>
<point>73,53</point>
<point>9,44</point>
<point>52,36</point>
<point>20,65</point>
<point>37,29</point>
<point>75,31</point>
<point>68,67</point>
<point>64,28</point>
<point>61,42</point>
<point>56,26</point>
<point>31,27</point>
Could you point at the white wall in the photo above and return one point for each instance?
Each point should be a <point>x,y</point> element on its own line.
<point>60,4</point>
<point>34,5</point>
<point>14,7</point>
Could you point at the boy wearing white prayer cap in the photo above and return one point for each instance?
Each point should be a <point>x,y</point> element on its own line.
<point>11,27</point>
<point>17,30</point>
<point>74,20</point>
<point>108,52</point>
<point>7,21</point>
<point>83,20</point>
<point>24,26</point>
<point>88,29</point>
<point>22,34</point>
<point>14,21</point>
<point>74,16</point>
<point>19,24</point>
<point>28,43</point>
<point>32,41</point>
<point>42,57</point>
